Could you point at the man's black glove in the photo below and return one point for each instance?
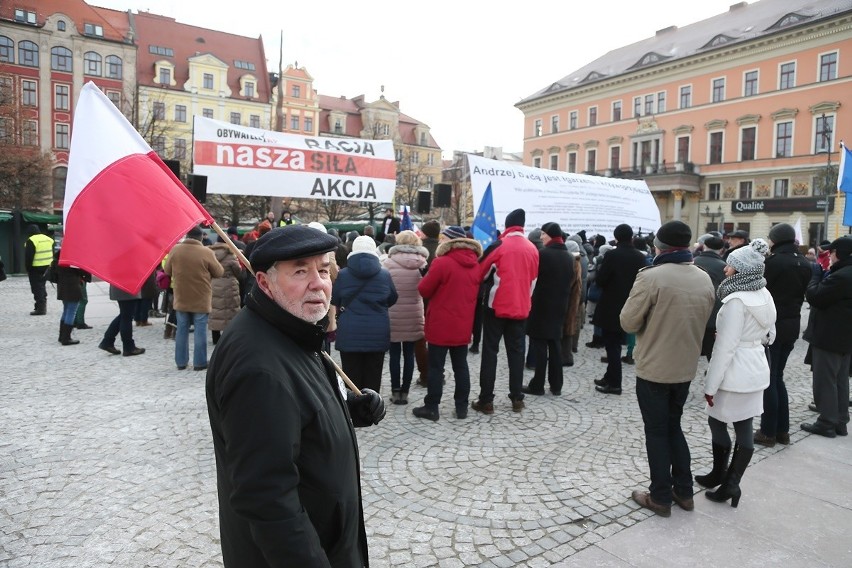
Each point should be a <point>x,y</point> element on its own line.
<point>366,408</point>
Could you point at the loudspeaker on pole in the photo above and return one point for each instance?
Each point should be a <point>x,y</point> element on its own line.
<point>197,185</point>
<point>174,166</point>
<point>424,201</point>
<point>443,195</point>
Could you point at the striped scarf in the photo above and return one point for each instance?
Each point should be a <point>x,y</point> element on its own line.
<point>741,282</point>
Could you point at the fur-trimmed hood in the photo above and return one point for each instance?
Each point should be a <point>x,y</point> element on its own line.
<point>447,246</point>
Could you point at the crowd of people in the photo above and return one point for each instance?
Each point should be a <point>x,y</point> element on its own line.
<point>280,407</point>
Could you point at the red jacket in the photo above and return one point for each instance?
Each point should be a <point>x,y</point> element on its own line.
<point>513,265</point>
<point>451,287</point>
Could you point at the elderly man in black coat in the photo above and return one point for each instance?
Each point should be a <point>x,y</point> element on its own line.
<point>549,306</point>
<point>615,277</point>
<point>710,261</point>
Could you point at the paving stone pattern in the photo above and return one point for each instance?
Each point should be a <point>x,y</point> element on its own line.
<point>108,460</point>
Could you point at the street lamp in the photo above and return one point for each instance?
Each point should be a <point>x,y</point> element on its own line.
<point>826,137</point>
<point>714,214</point>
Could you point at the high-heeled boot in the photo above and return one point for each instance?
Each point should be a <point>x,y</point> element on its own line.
<point>720,464</point>
<point>730,488</point>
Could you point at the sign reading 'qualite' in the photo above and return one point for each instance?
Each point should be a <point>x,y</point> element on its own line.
<point>238,160</point>
<point>781,205</point>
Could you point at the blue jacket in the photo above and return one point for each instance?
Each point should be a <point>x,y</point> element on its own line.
<point>363,292</point>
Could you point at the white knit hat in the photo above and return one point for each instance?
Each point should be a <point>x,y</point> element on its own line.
<point>364,244</point>
<point>746,260</point>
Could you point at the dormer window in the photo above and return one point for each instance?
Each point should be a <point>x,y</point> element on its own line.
<point>248,84</point>
<point>93,30</point>
<point>164,73</point>
<point>25,16</point>
<point>790,19</point>
<point>60,25</point>
<point>593,76</point>
<point>720,39</point>
<point>649,58</point>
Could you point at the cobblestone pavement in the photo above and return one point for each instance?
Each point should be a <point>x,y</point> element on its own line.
<point>108,461</point>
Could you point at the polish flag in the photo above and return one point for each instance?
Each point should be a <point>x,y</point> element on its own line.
<point>124,208</point>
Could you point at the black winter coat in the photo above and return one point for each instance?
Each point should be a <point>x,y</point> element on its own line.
<point>286,452</point>
<point>831,309</point>
<point>787,275</point>
<point>552,292</point>
<point>69,287</point>
<point>714,266</point>
<point>615,277</point>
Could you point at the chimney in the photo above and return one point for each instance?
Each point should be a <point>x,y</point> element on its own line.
<point>666,30</point>
<point>737,6</point>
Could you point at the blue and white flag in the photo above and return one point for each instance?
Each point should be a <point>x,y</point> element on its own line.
<point>844,181</point>
<point>405,224</point>
<point>484,226</point>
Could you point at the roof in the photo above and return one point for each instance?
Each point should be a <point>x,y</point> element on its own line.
<point>354,123</point>
<point>188,41</point>
<point>80,12</point>
<point>741,23</point>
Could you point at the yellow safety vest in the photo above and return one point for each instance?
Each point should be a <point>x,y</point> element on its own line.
<point>43,250</point>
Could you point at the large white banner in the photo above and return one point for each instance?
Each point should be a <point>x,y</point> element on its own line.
<point>575,201</point>
<point>239,160</point>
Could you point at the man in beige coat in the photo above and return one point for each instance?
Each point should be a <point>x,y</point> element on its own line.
<point>667,309</point>
<point>192,267</point>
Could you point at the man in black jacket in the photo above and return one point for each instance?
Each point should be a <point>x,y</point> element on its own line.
<point>286,454</point>
<point>830,336</point>
<point>787,275</point>
<point>711,262</point>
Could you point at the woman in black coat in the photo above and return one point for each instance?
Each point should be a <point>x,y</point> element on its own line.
<point>69,289</point>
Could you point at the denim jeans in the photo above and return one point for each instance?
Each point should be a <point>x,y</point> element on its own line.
<point>69,312</point>
<point>406,349</point>
<point>512,332</point>
<point>435,389</point>
<point>776,405</point>
<point>661,405</point>
<point>199,351</point>
<point>123,323</point>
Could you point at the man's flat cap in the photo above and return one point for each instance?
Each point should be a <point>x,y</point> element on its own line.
<point>290,242</point>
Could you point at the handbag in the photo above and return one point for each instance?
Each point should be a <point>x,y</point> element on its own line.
<point>164,281</point>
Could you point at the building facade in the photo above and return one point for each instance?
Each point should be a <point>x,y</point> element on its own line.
<point>733,121</point>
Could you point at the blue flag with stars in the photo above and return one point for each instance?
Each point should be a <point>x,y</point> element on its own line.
<point>844,181</point>
<point>405,224</point>
<point>484,226</point>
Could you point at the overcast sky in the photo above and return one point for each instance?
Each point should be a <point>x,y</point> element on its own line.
<point>459,66</point>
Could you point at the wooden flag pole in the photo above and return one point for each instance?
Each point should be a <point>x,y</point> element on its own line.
<point>239,254</point>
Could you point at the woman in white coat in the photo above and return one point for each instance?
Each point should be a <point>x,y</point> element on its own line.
<point>739,371</point>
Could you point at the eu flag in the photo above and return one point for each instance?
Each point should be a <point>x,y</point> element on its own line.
<point>484,227</point>
<point>405,224</point>
<point>844,181</point>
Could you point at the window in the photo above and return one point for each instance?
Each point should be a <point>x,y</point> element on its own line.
<point>748,137</point>
<point>28,54</point>
<point>593,116</point>
<point>92,64</point>
<point>7,130</point>
<point>787,76</point>
<point>165,76</point>
<point>414,157</point>
<point>649,104</point>
<point>615,158</point>
<point>309,124</point>
<point>62,137</point>
<point>750,84</point>
<point>235,118</point>
<point>29,93</point>
<point>180,113</point>
<point>714,191</point>
<point>716,144</point>
<point>572,120</point>
<point>554,124</point>
<point>208,80</point>
<point>244,65</point>
<point>536,162</point>
<point>254,120</point>
<point>616,111</point>
<point>781,187</point>
<point>828,66</point>
<point>637,106</point>
<point>114,67</point>
<point>60,59</point>
<point>93,29</point>
<point>591,161</point>
<point>25,16</point>
<point>207,112</point>
<point>683,149</point>
<point>249,89</point>
<point>159,111</point>
<point>718,90</point>
<point>824,130</point>
<point>745,190</point>
<point>115,97</point>
<point>159,50</point>
<point>430,160</point>
<point>296,91</point>
<point>537,127</point>
<point>554,162</point>
<point>338,127</point>
<point>294,123</point>
<point>159,145</point>
<point>7,50</point>
<point>572,162</point>
<point>60,25</point>
<point>661,102</point>
<point>783,139</point>
<point>180,149</point>
<point>61,97</point>
<point>686,96</point>
<point>29,133</point>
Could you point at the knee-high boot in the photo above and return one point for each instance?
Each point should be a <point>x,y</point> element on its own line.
<point>730,488</point>
<point>720,464</point>
<point>65,334</point>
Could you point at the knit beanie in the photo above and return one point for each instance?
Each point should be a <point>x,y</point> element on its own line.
<point>431,229</point>
<point>782,233</point>
<point>623,233</point>
<point>842,247</point>
<point>453,232</point>
<point>572,247</point>
<point>552,230</point>
<point>363,244</point>
<point>535,236</point>
<point>674,234</point>
<point>746,260</point>
<point>195,233</point>
<point>714,243</point>
<point>517,218</point>
<point>760,246</point>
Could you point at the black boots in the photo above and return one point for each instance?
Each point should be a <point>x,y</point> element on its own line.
<point>65,334</point>
<point>720,463</point>
<point>730,488</point>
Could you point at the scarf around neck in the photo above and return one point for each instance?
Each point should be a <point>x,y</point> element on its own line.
<point>741,282</point>
<point>676,255</point>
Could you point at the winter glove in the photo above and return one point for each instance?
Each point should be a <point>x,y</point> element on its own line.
<point>366,408</point>
<point>709,399</point>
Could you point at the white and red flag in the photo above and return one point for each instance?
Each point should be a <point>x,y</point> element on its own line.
<point>124,208</point>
